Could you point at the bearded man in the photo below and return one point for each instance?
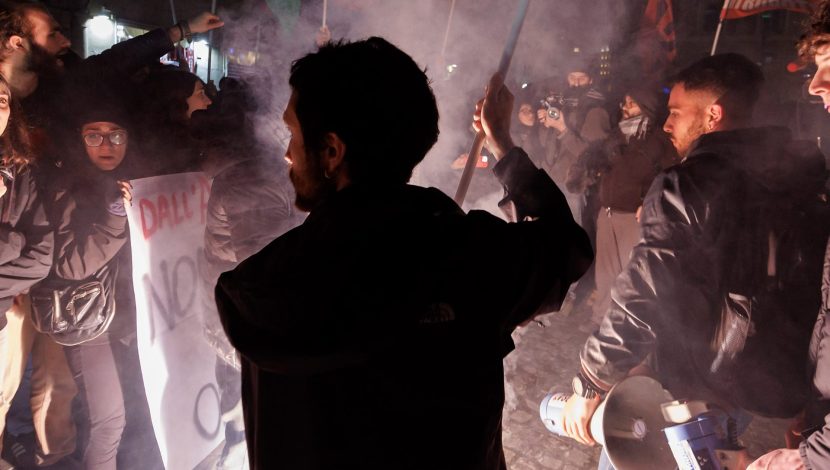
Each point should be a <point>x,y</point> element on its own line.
<point>365,342</point>
<point>694,268</point>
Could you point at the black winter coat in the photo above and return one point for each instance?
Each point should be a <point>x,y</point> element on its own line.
<point>87,237</point>
<point>667,303</point>
<point>372,336</point>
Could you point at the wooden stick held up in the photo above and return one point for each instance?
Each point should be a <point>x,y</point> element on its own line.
<point>504,64</point>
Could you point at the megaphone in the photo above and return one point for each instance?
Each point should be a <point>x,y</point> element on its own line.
<point>628,423</point>
<point>643,428</point>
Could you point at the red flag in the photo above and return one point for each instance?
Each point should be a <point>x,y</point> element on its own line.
<point>658,16</point>
<point>742,8</point>
<point>655,37</point>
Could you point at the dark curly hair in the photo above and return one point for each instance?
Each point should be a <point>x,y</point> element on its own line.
<point>349,88</point>
<point>168,90</point>
<point>13,21</point>
<point>817,33</point>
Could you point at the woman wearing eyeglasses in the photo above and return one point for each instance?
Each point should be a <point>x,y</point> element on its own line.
<point>88,212</point>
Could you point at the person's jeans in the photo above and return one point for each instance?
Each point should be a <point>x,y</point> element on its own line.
<point>19,418</point>
<point>102,400</point>
<point>52,387</point>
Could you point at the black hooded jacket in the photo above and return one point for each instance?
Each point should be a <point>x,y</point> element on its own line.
<point>372,336</point>
<point>696,220</point>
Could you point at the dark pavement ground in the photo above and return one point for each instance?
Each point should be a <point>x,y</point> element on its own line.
<point>546,359</point>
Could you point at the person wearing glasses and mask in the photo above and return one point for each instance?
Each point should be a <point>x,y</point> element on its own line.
<point>86,205</point>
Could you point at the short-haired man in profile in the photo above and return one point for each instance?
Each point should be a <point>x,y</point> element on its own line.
<point>706,254</point>
<point>365,340</point>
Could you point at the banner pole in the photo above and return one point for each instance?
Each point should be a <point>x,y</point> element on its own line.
<point>475,149</point>
<point>173,10</point>
<point>726,4</point>
<point>447,32</point>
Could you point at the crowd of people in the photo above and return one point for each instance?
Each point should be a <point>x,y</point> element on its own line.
<point>348,324</point>
<point>74,133</point>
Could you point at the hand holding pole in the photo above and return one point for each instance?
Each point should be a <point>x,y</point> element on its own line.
<point>504,64</point>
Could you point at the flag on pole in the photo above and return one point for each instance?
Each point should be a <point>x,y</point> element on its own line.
<point>655,38</point>
<point>742,8</point>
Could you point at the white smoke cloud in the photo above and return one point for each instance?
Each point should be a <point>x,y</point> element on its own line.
<point>474,45</point>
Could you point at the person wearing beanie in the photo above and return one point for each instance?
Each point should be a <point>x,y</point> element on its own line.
<point>636,150</point>
<point>581,126</point>
<point>583,121</point>
<point>86,204</point>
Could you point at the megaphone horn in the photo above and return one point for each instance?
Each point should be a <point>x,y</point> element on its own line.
<point>628,423</point>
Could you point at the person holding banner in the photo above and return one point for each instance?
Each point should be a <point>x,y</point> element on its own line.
<point>366,340</point>
<point>86,204</point>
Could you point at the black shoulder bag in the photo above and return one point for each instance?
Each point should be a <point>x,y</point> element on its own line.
<point>74,312</point>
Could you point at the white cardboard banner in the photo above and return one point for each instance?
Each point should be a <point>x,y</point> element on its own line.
<point>167,225</point>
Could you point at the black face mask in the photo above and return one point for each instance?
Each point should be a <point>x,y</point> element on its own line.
<point>572,97</point>
<point>576,93</point>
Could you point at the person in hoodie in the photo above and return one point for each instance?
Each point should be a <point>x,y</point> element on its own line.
<point>669,299</point>
<point>366,340</point>
<point>813,452</point>
<point>637,151</point>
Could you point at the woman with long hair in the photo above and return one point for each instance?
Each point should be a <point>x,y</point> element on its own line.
<point>165,121</point>
<point>26,243</point>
